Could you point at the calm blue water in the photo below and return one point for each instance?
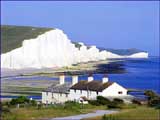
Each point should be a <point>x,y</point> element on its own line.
<point>141,74</point>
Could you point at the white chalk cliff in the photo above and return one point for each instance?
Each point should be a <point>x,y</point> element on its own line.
<point>53,49</point>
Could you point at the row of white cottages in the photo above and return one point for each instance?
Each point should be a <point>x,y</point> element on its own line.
<point>81,90</point>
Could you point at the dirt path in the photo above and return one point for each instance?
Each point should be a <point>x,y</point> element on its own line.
<point>82,116</point>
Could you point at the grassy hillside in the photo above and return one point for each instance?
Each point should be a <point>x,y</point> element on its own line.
<point>12,36</point>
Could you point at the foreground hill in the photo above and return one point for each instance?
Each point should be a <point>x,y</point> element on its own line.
<point>30,47</point>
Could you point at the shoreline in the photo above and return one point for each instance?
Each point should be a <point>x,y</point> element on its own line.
<point>78,69</point>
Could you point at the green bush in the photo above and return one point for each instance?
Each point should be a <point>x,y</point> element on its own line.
<point>19,100</point>
<point>72,105</point>
<point>113,105</point>
<point>135,101</point>
<point>102,100</point>
<point>94,102</point>
<point>118,101</point>
<point>154,102</point>
<point>150,94</point>
<point>33,102</point>
<point>153,98</point>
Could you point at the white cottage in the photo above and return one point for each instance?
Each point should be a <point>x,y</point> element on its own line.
<point>92,88</point>
<point>88,89</point>
<point>58,93</point>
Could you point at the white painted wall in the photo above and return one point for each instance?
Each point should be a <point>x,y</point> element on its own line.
<point>113,90</point>
<point>54,98</point>
<point>76,95</point>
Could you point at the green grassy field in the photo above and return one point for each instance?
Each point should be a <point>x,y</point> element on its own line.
<point>32,113</point>
<point>12,36</point>
<point>24,87</point>
<point>139,113</point>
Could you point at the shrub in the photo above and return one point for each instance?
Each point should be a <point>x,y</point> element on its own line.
<point>150,94</point>
<point>19,100</point>
<point>72,105</point>
<point>157,106</point>
<point>102,100</point>
<point>135,101</point>
<point>33,102</point>
<point>153,98</point>
<point>118,101</point>
<point>154,102</point>
<point>94,102</point>
<point>113,105</point>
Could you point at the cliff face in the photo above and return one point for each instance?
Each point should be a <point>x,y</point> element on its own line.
<point>51,49</point>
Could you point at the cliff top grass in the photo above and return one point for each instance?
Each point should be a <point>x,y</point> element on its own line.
<point>13,36</point>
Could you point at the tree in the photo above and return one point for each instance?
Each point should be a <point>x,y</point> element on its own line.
<point>19,100</point>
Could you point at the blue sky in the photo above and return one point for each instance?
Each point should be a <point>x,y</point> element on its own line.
<point>110,24</point>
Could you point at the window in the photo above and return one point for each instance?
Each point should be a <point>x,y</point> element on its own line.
<point>66,95</point>
<point>97,92</point>
<point>47,93</point>
<point>75,91</point>
<point>81,91</point>
<point>120,92</point>
<point>52,95</point>
<point>60,94</point>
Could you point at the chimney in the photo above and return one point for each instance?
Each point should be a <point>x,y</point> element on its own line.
<point>90,78</point>
<point>105,78</point>
<point>61,79</point>
<point>74,79</point>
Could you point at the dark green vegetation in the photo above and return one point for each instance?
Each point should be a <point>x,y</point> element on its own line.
<point>77,45</point>
<point>111,104</point>
<point>12,36</point>
<point>21,100</point>
<point>153,99</point>
<point>25,109</point>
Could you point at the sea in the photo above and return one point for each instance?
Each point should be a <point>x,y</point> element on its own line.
<point>140,74</point>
